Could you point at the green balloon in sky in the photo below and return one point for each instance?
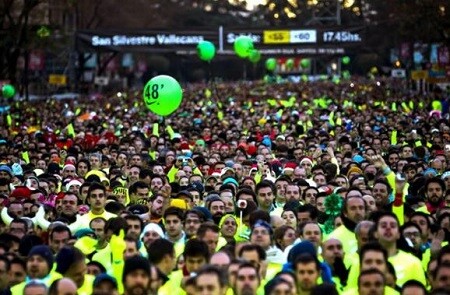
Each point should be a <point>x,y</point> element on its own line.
<point>8,91</point>
<point>271,64</point>
<point>290,64</point>
<point>162,95</point>
<point>206,50</point>
<point>305,63</point>
<point>346,60</point>
<point>242,46</point>
<point>254,56</point>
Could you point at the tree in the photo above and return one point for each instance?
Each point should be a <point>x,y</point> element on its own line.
<point>16,37</point>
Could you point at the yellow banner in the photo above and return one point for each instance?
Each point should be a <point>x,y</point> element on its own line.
<point>419,75</point>
<point>57,79</point>
<point>276,37</point>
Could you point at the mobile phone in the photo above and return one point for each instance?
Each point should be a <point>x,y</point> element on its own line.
<point>447,147</point>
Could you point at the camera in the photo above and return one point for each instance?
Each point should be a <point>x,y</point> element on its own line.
<point>242,204</point>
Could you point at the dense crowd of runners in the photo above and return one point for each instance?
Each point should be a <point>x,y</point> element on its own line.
<point>248,188</point>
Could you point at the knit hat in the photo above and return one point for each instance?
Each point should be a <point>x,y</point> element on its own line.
<point>262,223</point>
<point>300,248</point>
<point>290,166</point>
<point>65,259</point>
<point>6,169</point>
<point>136,263</point>
<point>355,170</point>
<point>45,252</point>
<point>53,168</point>
<point>73,182</point>
<point>21,192</point>
<point>103,277</point>
<point>152,227</point>
<point>230,180</point>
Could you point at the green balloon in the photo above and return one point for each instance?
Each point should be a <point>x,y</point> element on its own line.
<point>162,95</point>
<point>290,64</point>
<point>206,50</point>
<point>271,64</point>
<point>8,91</point>
<point>346,75</point>
<point>254,56</point>
<point>346,60</point>
<point>305,63</point>
<point>242,46</point>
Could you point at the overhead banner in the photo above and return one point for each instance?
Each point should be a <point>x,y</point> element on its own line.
<point>324,36</point>
<point>306,41</point>
<point>153,41</point>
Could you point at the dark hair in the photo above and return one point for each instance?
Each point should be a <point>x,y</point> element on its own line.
<point>252,247</point>
<point>324,288</point>
<point>370,271</point>
<point>372,246</point>
<point>247,264</point>
<point>204,227</point>
<point>414,283</point>
<point>158,249</point>
<point>382,214</point>
<point>306,258</point>
<point>264,184</point>
<point>246,191</point>
<point>6,261</point>
<point>22,221</point>
<point>115,224</point>
<point>382,181</point>
<point>133,217</point>
<point>95,186</point>
<point>444,251</point>
<point>424,215</point>
<point>98,264</point>
<point>211,269</point>
<point>67,257</point>
<point>138,184</point>
<point>313,212</point>
<point>410,224</point>
<point>195,248</point>
<point>174,211</point>
<point>279,233</point>
<point>59,229</point>
<point>199,214</point>
<point>258,215</point>
<point>437,180</point>
<point>308,188</point>
<point>302,225</point>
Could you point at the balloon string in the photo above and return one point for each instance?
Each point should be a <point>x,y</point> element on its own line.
<point>212,81</point>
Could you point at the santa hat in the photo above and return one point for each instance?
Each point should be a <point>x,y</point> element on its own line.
<point>68,164</point>
<point>290,166</point>
<point>251,150</point>
<point>21,192</point>
<point>306,159</point>
<point>185,146</point>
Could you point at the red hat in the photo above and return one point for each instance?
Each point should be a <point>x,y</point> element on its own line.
<point>60,196</point>
<point>21,192</point>
<point>290,166</point>
<point>185,146</point>
<point>251,150</point>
